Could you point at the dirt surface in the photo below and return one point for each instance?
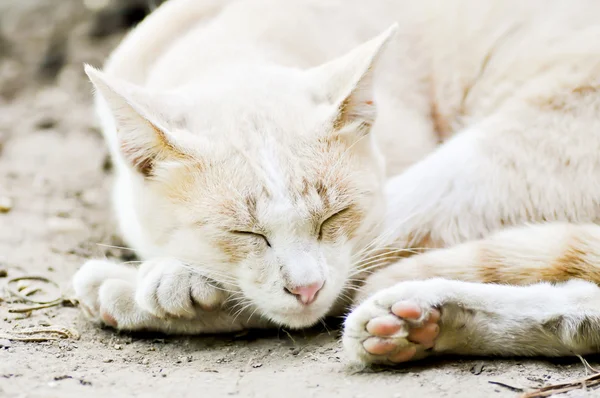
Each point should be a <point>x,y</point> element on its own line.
<point>55,213</point>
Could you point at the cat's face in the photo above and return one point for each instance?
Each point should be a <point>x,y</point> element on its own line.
<point>264,183</point>
<point>284,219</point>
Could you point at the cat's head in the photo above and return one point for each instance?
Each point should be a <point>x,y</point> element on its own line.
<point>263,178</point>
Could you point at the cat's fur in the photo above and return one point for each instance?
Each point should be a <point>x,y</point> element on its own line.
<point>246,115</point>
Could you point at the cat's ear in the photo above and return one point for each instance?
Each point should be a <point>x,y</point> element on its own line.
<point>141,128</point>
<point>348,82</point>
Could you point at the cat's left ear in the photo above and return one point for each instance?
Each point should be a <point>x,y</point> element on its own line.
<point>143,127</point>
<point>347,83</point>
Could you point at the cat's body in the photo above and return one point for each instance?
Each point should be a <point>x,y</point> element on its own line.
<point>255,136</point>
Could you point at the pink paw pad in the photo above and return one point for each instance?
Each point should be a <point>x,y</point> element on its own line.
<point>405,321</point>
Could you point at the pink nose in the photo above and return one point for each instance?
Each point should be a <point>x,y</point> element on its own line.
<point>306,294</point>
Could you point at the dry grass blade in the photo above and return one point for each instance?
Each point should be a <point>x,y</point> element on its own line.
<point>40,334</point>
<point>25,293</point>
<point>589,381</point>
<point>61,301</point>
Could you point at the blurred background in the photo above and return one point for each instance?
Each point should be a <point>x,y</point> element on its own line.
<point>44,42</point>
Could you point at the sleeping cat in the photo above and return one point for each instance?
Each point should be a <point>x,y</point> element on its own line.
<point>275,160</point>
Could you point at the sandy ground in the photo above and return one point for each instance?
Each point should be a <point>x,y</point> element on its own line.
<point>54,170</point>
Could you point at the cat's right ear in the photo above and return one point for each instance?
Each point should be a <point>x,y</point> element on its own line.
<point>347,83</point>
<point>142,133</point>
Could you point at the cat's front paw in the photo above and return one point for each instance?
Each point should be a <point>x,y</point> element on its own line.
<point>98,284</point>
<point>168,288</point>
<point>398,324</point>
<point>154,297</point>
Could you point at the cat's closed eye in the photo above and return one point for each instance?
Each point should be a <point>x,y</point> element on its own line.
<point>325,223</point>
<point>254,235</point>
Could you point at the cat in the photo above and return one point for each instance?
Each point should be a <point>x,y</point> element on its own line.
<point>276,161</point>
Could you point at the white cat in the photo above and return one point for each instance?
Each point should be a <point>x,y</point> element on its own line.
<point>261,149</point>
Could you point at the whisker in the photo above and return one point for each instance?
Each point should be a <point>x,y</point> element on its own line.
<point>325,326</point>
<point>346,296</point>
<point>253,312</point>
<point>365,261</point>
<point>386,234</point>
<point>115,247</point>
<point>372,268</point>
<point>240,312</point>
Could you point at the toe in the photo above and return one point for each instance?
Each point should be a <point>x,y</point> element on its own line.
<point>206,296</point>
<point>434,316</point>
<point>109,320</point>
<point>384,325</point>
<point>377,346</point>
<point>425,335</point>
<point>407,310</point>
<point>403,355</point>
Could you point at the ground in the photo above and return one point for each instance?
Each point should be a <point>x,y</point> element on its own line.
<point>55,214</point>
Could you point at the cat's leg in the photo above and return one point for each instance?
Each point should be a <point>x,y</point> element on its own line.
<point>548,252</point>
<point>415,319</point>
<point>527,162</point>
<point>553,252</point>
<point>162,295</point>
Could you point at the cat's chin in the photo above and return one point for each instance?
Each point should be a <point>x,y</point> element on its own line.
<point>297,323</point>
<point>299,320</point>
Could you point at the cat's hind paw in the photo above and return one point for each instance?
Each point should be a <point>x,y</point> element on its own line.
<point>391,328</point>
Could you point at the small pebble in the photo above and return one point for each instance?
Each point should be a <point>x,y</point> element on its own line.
<point>46,123</point>
<point>5,343</point>
<point>118,347</point>
<point>6,204</point>
<point>477,368</point>
<point>184,358</point>
<point>3,273</point>
<point>108,360</point>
